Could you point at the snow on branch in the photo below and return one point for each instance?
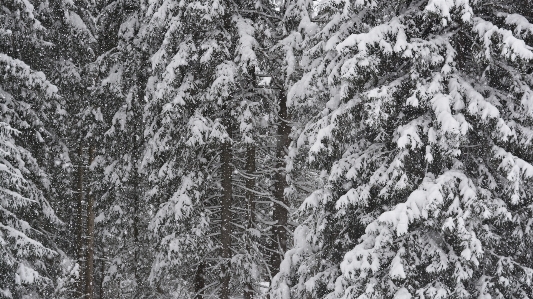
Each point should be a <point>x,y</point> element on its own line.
<point>22,73</point>
<point>511,47</point>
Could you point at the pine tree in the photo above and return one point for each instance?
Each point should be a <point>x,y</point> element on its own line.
<point>427,119</point>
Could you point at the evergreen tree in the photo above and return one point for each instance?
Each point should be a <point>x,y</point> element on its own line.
<point>292,27</point>
<point>425,147</point>
<point>204,123</point>
<point>159,149</point>
<point>31,109</point>
<point>121,214</point>
<point>72,33</point>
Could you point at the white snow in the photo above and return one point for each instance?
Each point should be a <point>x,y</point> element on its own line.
<point>402,293</point>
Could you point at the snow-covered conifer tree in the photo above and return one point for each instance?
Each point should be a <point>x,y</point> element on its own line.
<point>70,30</point>
<point>292,26</point>
<point>30,111</point>
<point>205,124</point>
<point>424,143</point>
<point>121,213</point>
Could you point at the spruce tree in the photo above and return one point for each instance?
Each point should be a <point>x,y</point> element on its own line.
<point>424,146</point>
<point>31,110</point>
<point>120,74</point>
<point>204,123</point>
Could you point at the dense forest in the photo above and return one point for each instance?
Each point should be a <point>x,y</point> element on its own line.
<point>278,149</point>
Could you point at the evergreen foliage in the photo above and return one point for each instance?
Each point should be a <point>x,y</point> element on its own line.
<point>30,106</point>
<point>424,145</point>
<point>266,149</point>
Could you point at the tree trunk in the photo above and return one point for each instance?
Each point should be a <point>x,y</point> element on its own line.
<point>102,274</point>
<point>135,181</point>
<point>225,226</point>
<point>250,198</point>
<point>137,259</point>
<point>135,225</point>
<point>89,269</point>
<point>79,238</point>
<point>278,244</point>
<point>199,281</point>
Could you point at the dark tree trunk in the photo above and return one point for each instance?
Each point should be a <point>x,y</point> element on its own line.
<point>225,226</point>
<point>250,198</point>
<point>135,182</point>
<point>199,281</point>
<point>102,264</point>
<point>79,238</point>
<point>89,269</point>
<point>278,245</point>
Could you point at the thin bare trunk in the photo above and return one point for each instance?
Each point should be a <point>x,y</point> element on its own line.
<point>227,193</point>
<point>199,281</point>
<point>278,245</point>
<point>225,226</point>
<point>136,244</point>
<point>102,264</point>
<point>250,185</point>
<point>89,269</point>
<point>79,238</point>
<point>136,142</point>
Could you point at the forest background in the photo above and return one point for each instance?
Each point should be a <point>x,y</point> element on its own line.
<point>266,149</point>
